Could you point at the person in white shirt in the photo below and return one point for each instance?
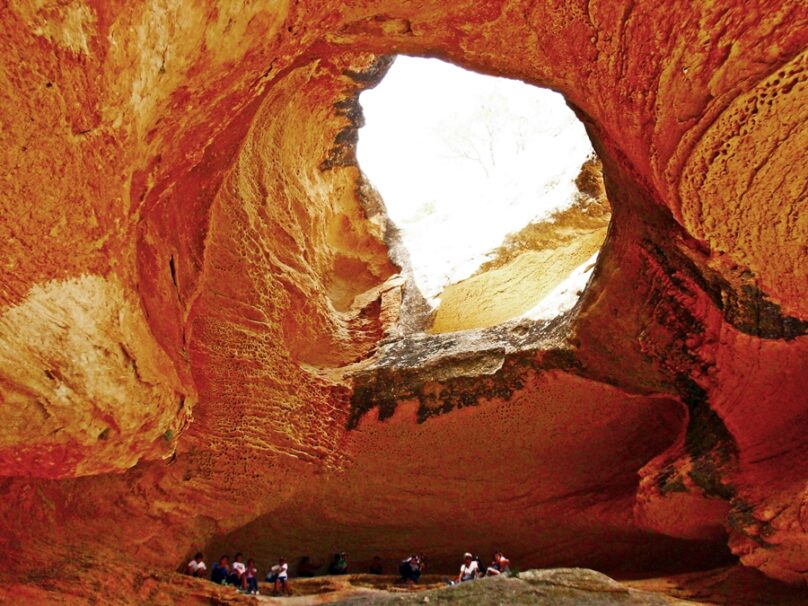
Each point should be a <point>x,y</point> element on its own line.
<point>279,574</point>
<point>469,569</point>
<point>196,567</point>
<point>238,576</point>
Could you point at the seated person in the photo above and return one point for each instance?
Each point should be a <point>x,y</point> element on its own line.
<point>252,577</point>
<point>238,576</point>
<point>469,569</point>
<point>220,570</point>
<point>499,565</point>
<point>306,568</point>
<point>376,566</point>
<point>339,564</point>
<point>279,575</point>
<point>196,567</point>
<point>411,569</point>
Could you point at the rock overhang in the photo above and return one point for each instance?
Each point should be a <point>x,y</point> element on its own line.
<point>210,205</point>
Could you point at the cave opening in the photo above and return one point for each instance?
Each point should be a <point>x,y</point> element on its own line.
<point>493,190</point>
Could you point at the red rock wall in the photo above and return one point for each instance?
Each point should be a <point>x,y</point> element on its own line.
<point>187,269</point>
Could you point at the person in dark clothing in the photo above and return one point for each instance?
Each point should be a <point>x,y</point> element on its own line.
<point>307,568</point>
<point>411,569</point>
<point>376,566</point>
<point>339,564</point>
<point>220,570</point>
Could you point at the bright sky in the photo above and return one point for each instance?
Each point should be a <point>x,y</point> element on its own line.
<point>461,160</point>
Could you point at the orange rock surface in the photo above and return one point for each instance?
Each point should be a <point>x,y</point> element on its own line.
<point>198,314</point>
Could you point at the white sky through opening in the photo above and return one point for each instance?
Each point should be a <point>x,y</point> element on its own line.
<point>461,160</point>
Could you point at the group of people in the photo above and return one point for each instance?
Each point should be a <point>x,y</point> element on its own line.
<point>244,576</point>
<point>339,565</point>
<point>471,568</point>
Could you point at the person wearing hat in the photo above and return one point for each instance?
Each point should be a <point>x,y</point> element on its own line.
<point>469,569</point>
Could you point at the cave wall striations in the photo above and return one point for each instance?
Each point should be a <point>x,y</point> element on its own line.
<point>198,310</point>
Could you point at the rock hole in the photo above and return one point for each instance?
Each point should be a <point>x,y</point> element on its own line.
<point>494,190</point>
<point>173,270</point>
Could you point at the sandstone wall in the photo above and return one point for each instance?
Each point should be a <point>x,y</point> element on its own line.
<point>189,282</point>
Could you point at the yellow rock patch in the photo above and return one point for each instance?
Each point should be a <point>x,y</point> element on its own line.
<point>508,291</point>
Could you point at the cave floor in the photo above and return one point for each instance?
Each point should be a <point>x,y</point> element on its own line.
<point>734,586</point>
<point>729,586</point>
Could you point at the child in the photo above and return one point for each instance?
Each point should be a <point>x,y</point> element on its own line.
<point>196,567</point>
<point>252,578</point>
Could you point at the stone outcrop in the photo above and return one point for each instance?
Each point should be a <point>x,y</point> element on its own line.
<point>531,263</point>
<point>198,313</point>
<point>559,587</point>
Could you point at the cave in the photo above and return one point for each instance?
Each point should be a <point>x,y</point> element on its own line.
<point>208,338</point>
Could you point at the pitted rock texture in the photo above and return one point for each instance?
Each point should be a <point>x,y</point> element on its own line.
<point>197,302</point>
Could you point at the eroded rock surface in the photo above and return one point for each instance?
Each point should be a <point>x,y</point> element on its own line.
<point>198,310</point>
<point>554,587</point>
